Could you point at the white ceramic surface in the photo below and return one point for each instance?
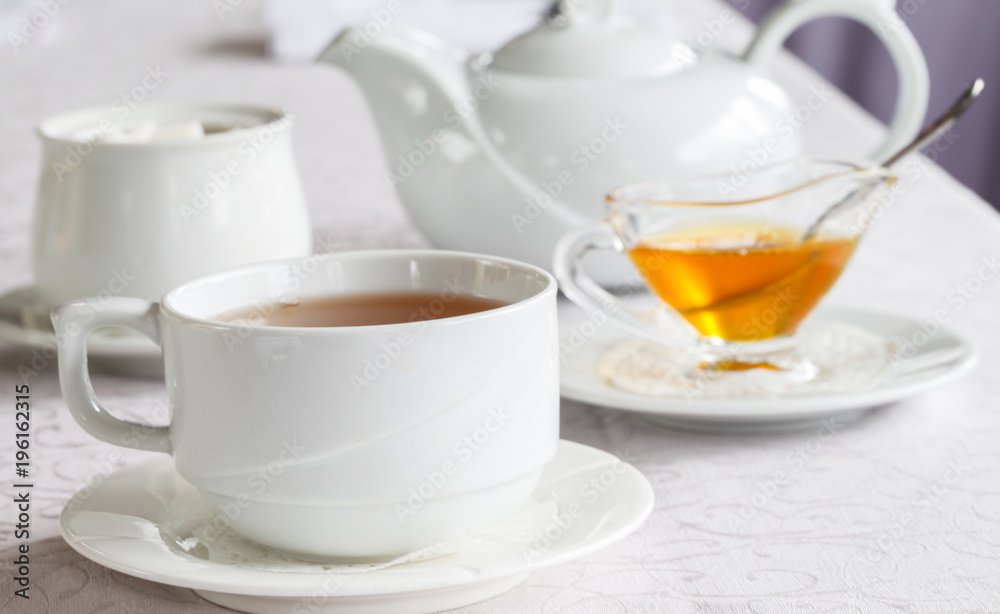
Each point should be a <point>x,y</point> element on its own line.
<point>124,524</point>
<point>505,153</point>
<point>365,440</point>
<point>942,360</point>
<point>139,218</point>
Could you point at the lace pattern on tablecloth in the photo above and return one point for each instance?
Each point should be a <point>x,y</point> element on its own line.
<point>848,358</point>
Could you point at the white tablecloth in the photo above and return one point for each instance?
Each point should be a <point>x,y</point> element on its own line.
<point>899,512</point>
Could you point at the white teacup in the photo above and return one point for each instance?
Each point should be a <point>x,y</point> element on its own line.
<point>136,202</point>
<point>345,442</point>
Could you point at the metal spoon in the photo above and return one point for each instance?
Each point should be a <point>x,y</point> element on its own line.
<point>930,134</point>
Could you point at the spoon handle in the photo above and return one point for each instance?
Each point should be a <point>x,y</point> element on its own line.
<point>930,134</point>
<point>941,124</point>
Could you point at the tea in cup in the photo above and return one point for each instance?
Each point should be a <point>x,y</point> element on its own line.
<point>349,406</point>
<point>731,261</point>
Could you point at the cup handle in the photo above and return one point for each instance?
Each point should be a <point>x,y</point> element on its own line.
<point>73,323</point>
<point>586,293</point>
<point>880,16</point>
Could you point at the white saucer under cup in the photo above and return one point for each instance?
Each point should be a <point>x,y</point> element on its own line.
<point>141,520</point>
<point>922,363</point>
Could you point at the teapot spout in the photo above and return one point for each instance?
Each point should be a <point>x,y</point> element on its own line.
<point>418,89</point>
<point>412,80</point>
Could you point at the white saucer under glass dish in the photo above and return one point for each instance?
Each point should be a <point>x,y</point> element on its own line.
<point>113,350</point>
<point>146,521</point>
<point>893,358</point>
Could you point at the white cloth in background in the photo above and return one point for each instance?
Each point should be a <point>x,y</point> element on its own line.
<point>300,29</point>
<point>24,23</point>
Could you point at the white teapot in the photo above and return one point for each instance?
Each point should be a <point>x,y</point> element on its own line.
<point>506,152</point>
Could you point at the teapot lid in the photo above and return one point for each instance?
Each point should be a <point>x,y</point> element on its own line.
<point>588,39</point>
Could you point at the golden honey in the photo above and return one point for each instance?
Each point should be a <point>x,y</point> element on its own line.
<point>742,283</point>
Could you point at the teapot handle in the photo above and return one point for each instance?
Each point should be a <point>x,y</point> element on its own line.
<point>880,16</point>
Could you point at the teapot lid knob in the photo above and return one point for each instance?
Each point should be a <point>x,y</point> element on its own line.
<point>589,39</point>
<point>594,11</point>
